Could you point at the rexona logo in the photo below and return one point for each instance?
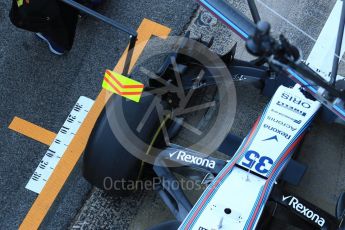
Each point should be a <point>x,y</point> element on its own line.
<point>275,120</point>
<point>284,134</point>
<point>296,100</point>
<point>191,159</point>
<point>299,207</point>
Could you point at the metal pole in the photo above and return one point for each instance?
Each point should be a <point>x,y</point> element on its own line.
<point>132,33</point>
<point>338,46</point>
<point>101,17</point>
<point>132,41</point>
<point>254,11</point>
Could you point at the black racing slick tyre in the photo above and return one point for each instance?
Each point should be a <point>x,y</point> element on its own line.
<point>106,161</point>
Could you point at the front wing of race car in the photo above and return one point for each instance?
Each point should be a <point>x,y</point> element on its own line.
<point>237,196</point>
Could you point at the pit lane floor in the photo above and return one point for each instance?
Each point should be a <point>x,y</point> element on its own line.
<point>323,150</point>
<point>42,88</point>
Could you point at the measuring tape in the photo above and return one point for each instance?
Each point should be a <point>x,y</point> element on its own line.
<point>59,145</point>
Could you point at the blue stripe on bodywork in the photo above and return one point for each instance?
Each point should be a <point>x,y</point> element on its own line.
<point>339,110</point>
<point>291,142</point>
<point>230,23</point>
<point>301,80</point>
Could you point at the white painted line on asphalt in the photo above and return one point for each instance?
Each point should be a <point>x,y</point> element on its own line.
<point>321,57</point>
<point>59,145</point>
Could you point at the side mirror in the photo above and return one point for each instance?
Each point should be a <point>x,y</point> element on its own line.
<point>340,208</point>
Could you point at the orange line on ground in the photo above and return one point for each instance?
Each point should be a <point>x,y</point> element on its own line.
<point>45,199</point>
<point>33,131</point>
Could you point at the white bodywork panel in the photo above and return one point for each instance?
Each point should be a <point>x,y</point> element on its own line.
<point>243,186</point>
<point>240,189</point>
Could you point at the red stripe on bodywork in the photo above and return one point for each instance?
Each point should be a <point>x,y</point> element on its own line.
<point>224,174</point>
<point>272,173</point>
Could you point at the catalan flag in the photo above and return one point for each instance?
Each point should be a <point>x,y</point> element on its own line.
<point>122,85</point>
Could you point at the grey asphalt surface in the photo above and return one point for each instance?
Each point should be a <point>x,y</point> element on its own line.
<point>323,150</point>
<point>42,88</point>
<point>28,71</point>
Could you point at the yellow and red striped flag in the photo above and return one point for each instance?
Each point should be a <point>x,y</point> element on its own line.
<point>20,3</point>
<point>123,86</point>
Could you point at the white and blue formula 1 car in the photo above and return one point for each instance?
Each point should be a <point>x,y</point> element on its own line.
<point>246,191</point>
<point>236,198</point>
